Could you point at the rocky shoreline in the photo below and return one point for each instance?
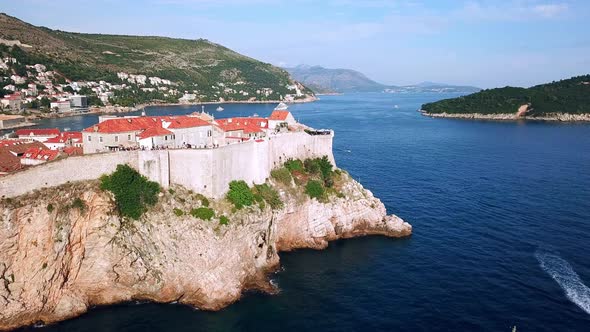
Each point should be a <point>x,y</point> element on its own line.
<point>559,117</point>
<point>56,263</point>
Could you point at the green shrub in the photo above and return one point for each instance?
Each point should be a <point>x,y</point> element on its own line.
<point>133,192</point>
<point>314,189</point>
<point>312,166</point>
<point>79,204</point>
<point>240,194</point>
<point>203,213</point>
<point>223,220</point>
<point>294,165</point>
<point>269,195</point>
<point>171,191</point>
<point>50,208</point>
<point>325,167</point>
<point>282,175</point>
<point>204,200</point>
<point>178,212</point>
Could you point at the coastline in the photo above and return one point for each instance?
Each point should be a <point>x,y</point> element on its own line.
<point>92,257</point>
<point>126,109</point>
<point>20,125</point>
<point>557,117</point>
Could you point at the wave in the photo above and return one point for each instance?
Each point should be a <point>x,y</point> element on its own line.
<point>563,273</point>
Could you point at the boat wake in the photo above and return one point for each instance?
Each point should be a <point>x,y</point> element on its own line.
<point>563,273</point>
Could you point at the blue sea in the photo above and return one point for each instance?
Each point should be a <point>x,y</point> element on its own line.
<point>501,217</point>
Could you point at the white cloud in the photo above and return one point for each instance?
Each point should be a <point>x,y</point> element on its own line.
<point>550,10</point>
<point>510,11</point>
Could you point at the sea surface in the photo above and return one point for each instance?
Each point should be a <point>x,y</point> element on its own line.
<point>501,217</point>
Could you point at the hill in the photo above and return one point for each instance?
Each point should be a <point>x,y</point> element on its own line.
<point>324,80</point>
<point>430,87</point>
<point>192,64</point>
<point>570,96</point>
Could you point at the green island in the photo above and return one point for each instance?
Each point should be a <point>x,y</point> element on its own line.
<point>570,96</point>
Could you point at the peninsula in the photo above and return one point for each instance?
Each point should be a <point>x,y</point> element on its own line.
<point>565,100</point>
<point>188,209</point>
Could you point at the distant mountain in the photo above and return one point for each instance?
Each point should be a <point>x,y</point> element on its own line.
<point>433,87</point>
<point>324,80</point>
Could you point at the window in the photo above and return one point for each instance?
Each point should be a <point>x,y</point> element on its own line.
<point>116,138</point>
<point>100,139</point>
<point>166,137</point>
<point>89,138</point>
<point>208,133</point>
<point>129,137</point>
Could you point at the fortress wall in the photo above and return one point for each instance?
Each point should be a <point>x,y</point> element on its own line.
<point>192,169</point>
<point>155,166</point>
<point>87,167</point>
<point>299,146</point>
<point>207,171</point>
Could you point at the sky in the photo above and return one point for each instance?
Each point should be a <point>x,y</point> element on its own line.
<point>476,42</point>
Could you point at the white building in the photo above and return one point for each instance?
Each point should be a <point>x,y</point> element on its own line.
<point>148,132</point>
<point>61,106</point>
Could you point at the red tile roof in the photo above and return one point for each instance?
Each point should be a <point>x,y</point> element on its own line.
<point>143,123</point>
<point>40,154</point>
<point>10,151</point>
<point>73,151</point>
<point>38,132</point>
<point>14,96</point>
<point>279,115</point>
<point>64,137</point>
<point>154,132</point>
<point>74,136</point>
<point>247,125</point>
<point>10,142</point>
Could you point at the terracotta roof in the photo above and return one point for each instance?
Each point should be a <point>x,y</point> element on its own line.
<point>14,96</point>
<point>64,137</point>
<point>142,123</point>
<point>40,154</point>
<point>10,151</point>
<point>73,151</point>
<point>154,132</point>
<point>247,125</point>
<point>38,132</point>
<point>279,115</point>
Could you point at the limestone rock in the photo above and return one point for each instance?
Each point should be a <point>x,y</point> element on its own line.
<point>56,260</point>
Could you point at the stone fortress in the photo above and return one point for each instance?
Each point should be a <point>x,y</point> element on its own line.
<point>195,151</point>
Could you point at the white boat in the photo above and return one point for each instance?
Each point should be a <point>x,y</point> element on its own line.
<point>219,109</point>
<point>395,106</point>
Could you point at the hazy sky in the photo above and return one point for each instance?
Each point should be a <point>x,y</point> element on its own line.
<point>478,42</point>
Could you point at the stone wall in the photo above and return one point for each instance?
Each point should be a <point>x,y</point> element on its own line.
<point>79,168</point>
<point>208,171</point>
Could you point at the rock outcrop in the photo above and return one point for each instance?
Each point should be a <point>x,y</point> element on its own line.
<point>57,259</point>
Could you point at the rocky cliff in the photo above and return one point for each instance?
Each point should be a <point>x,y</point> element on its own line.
<point>65,249</point>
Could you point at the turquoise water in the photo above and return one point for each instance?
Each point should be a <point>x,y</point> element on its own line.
<point>501,216</point>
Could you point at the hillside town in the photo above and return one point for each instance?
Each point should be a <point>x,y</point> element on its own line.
<point>198,130</point>
<point>36,90</point>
